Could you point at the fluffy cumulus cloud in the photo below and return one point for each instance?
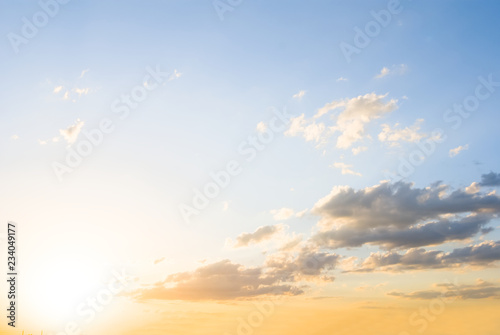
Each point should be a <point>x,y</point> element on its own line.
<point>159,260</point>
<point>350,117</point>
<point>432,233</point>
<point>223,280</point>
<point>480,290</point>
<point>357,113</point>
<point>358,150</point>
<point>455,151</point>
<point>307,264</point>
<point>398,215</point>
<point>479,255</point>
<point>308,129</point>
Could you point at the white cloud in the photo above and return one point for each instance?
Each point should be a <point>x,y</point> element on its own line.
<point>159,260</point>
<point>42,142</point>
<point>299,95</point>
<point>350,122</point>
<point>175,75</point>
<point>57,89</point>
<point>345,169</point>
<point>310,130</point>
<point>342,79</point>
<point>384,72</point>
<point>14,137</point>
<point>282,213</point>
<point>261,127</point>
<point>357,113</point>
<point>395,135</point>
<point>398,215</point>
<point>81,91</point>
<point>84,72</point>
<point>225,205</point>
<point>395,69</point>
<point>71,133</point>
<point>457,150</point>
<point>262,233</point>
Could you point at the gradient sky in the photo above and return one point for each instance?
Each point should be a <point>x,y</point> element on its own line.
<point>321,222</point>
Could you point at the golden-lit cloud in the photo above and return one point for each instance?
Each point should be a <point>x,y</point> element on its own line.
<point>218,281</point>
<point>299,95</point>
<point>71,133</point>
<point>350,123</point>
<point>455,151</point>
<point>480,290</point>
<point>260,234</point>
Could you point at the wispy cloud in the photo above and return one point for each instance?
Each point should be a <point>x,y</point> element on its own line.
<point>260,234</point>
<point>395,69</point>
<point>175,75</point>
<point>395,135</point>
<point>345,168</point>
<point>159,260</point>
<point>282,213</point>
<point>457,150</point>
<point>480,255</point>
<point>71,133</point>
<point>83,73</point>
<point>299,95</point>
<point>480,290</point>
<point>398,215</point>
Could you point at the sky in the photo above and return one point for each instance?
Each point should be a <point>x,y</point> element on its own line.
<point>251,167</point>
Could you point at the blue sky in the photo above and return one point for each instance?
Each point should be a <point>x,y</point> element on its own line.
<point>225,79</point>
